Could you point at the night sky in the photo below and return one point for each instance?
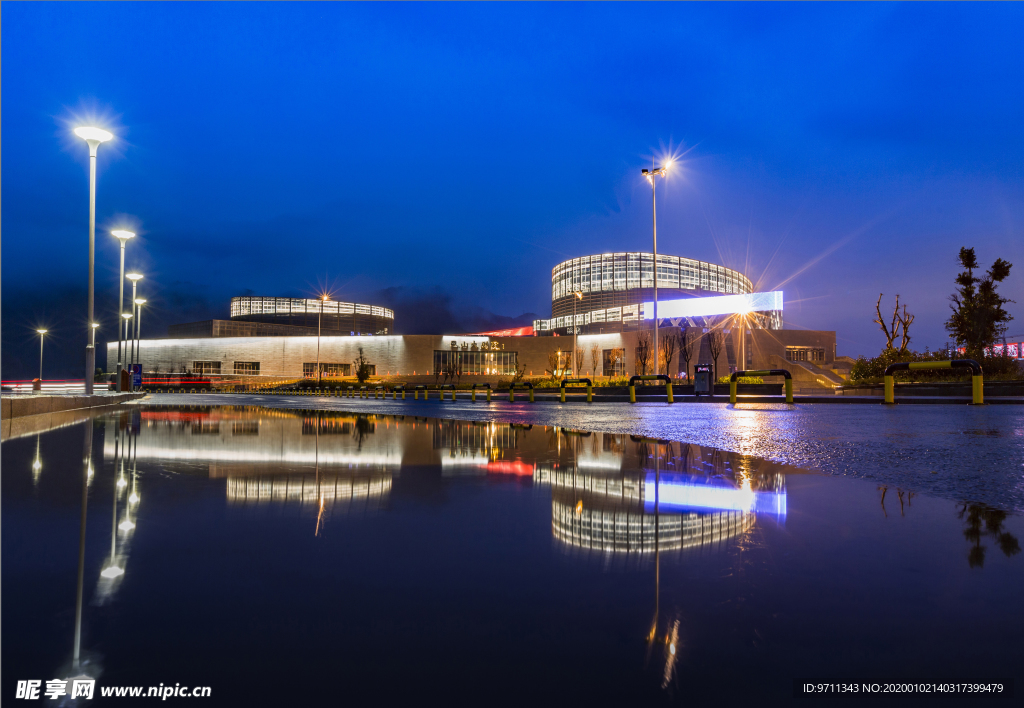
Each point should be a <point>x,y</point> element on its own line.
<point>442,158</point>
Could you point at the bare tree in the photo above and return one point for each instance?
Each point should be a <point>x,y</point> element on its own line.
<point>685,347</point>
<point>595,357</point>
<point>905,320</point>
<point>579,360</point>
<point>716,341</point>
<point>892,331</point>
<point>666,351</point>
<point>644,352</point>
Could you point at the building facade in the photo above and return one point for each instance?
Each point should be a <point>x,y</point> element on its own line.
<point>607,292</point>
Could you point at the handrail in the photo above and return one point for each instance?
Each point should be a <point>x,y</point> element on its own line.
<point>977,379</point>
<point>481,385</point>
<point>761,372</point>
<point>512,390</point>
<point>590,388</point>
<point>650,377</point>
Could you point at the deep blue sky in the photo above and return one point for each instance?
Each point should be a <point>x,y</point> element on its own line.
<point>461,150</point>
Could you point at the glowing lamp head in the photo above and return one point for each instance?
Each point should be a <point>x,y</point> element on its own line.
<point>122,235</point>
<point>42,331</point>
<point>126,525</point>
<point>94,325</point>
<point>37,465</point>
<point>126,315</point>
<point>112,572</point>
<point>97,135</point>
<point>134,277</point>
<point>140,301</point>
<point>134,498</point>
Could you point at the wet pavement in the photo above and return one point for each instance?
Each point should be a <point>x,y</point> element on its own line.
<point>284,555</point>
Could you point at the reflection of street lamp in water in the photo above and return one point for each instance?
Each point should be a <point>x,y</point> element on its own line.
<point>37,464</point>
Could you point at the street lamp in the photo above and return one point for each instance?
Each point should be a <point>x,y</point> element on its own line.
<point>92,136</point>
<point>323,298</point>
<point>651,175</point>
<point>93,326</point>
<point>579,296</point>
<point>127,320</point>
<point>42,333</point>
<point>135,278</point>
<point>139,302</point>
<point>122,236</point>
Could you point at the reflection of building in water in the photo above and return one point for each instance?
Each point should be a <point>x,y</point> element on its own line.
<point>365,492</point>
<point>630,530</point>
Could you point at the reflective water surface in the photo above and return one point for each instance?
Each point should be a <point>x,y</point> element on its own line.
<point>281,556</point>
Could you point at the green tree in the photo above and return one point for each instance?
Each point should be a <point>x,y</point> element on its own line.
<point>362,367</point>
<point>978,318</point>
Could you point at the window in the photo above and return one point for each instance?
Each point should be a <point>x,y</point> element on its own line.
<point>493,363</point>
<point>326,369</point>
<point>805,354</point>
<point>614,361</point>
<point>245,427</point>
<point>206,367</point>
<point>247,368</point>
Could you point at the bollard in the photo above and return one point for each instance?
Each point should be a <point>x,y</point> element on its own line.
<point>632,393</point>
<point>590,393</point>
<point>488,394</point>
<point>566,382</point>
<point>733,382</point>
<point>668,392</point>
<point>977,382</point>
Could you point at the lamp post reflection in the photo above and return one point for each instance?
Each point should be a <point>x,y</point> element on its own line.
<point>37,465</point>
<point>87,462</point>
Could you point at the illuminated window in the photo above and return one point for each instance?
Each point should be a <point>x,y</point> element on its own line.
<point>247,368</point>
<point>206,367</point>
<point>326,369</point>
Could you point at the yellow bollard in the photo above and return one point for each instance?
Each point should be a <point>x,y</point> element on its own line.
<point>789,390</point>
<point>590,393</point>
<point>890,394</point>
<point>531,395</point>
<point>632,393</point>
<point>472,395</point>
<point>732,390</point>
<point>977,390</point>
<point>511,395</point>
<point>563,394</point>
<point>488,395</point>
<point>668,392</point>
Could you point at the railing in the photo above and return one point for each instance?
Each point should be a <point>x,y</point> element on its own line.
<point>761,372</point>
<point>512,390</point>
<point>651,377</point>
<point>977,380</point>
<point>590,388</point>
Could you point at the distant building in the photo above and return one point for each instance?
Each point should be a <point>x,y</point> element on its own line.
<point>288,316</point>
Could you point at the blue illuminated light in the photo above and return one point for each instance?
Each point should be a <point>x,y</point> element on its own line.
<point>683,492</point>
<point>717,305</point>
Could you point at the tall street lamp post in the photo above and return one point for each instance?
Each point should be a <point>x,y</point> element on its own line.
<point>123,237</point>
<point>135,278</point>
<point>579,296</point>
<point>139,302</point>
<point>127,321</point>
<point>42,333</point>
<point>651,175</point>
<point>93,137</point>
<point>323,298</point>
